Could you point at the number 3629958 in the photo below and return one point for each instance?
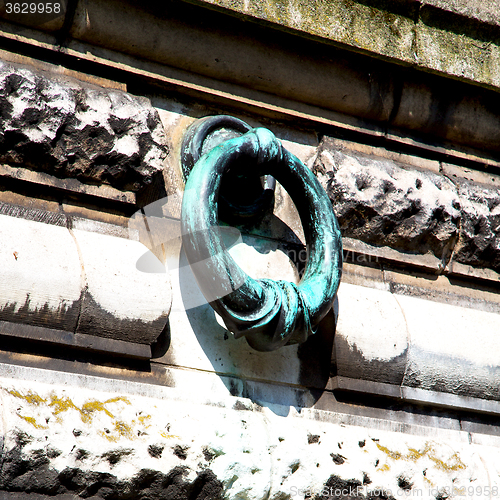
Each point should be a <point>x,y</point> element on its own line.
<point>32,8</point>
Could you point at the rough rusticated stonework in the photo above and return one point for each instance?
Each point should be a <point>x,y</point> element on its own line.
<point>479,243</point>
<point>61,127</point>
<point>382,203</point>
<point>32,473</point>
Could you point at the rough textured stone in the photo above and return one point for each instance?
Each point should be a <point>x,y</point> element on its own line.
<point>479,243</point>
<point>31,473</point>
<point>262,452</point>
<point>457,46</point>
<point>383,203</point>
<point>64,128</point>
<point>480,10</point>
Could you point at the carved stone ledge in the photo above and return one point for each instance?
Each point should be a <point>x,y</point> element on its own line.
<point>59,126</point>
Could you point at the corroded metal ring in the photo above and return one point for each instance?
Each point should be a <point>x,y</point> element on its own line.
<point>268,313</point>
<point>242,198</point>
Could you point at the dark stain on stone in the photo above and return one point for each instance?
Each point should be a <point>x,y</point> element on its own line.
<point>337,459</point>
<point>312,438</point>
<point>361,444</point>
<point>442,496</point>
<point>81,454</point>
<point>234,391</point>
<point>208,454</point>
<point>22,439</point>
<point>31,473</point>
<point>64,318</point>
<point>53,452</point>
<point>181,451</point>
<point>94,320</point>
<point>404,483</point>
<point>114,456</point>
<point>352,363</point>
<point>337,488</point>
<point>155,450</point>
<point>366,478</point>
<point>241,407</point>
<point>315,356</point>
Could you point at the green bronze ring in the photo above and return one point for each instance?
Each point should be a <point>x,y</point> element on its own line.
<point>269,313</point>
<point>242,198</point>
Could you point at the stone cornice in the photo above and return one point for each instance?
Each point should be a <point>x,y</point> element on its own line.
<point>456,38</point>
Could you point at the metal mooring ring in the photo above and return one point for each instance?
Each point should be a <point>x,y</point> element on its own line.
<point>258,195</point>
<point>268,313</point>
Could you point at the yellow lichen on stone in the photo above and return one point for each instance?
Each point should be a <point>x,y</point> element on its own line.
<point>395,455</point>
<point>109,437</point>
<point>61,404</point>
<point>168,436</point>
<point>124,430</point>
<point>87,408</point>
<point>457,465</point>
<point>414,454</point>
<point>30,397</point>
<point>453,464</point>
<point>32,421</point>
<point>143,418</point>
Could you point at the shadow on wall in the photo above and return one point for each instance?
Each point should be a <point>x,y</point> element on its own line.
<point>293,376</point>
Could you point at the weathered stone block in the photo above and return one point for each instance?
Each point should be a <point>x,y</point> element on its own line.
<point>120,301</point>
<point>381,202</point>
<point>442,358</point>
<point>68,129</point>
<point>40,276</point>
<point>479,243</point>
<point>371,338</point>
<point>78,282</point>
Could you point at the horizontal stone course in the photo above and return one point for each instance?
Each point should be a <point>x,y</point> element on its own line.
<point>78,282</point>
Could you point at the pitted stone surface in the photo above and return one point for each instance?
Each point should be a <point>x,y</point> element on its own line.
<point>64,128</point>
<point>72,438</point>
<point>479,243</point>
<point>381,202</point>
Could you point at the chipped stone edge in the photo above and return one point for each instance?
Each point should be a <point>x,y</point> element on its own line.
<point>70,185</point>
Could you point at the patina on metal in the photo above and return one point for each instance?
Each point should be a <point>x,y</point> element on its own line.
<point>242,198</point>
<point>270,314</point>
